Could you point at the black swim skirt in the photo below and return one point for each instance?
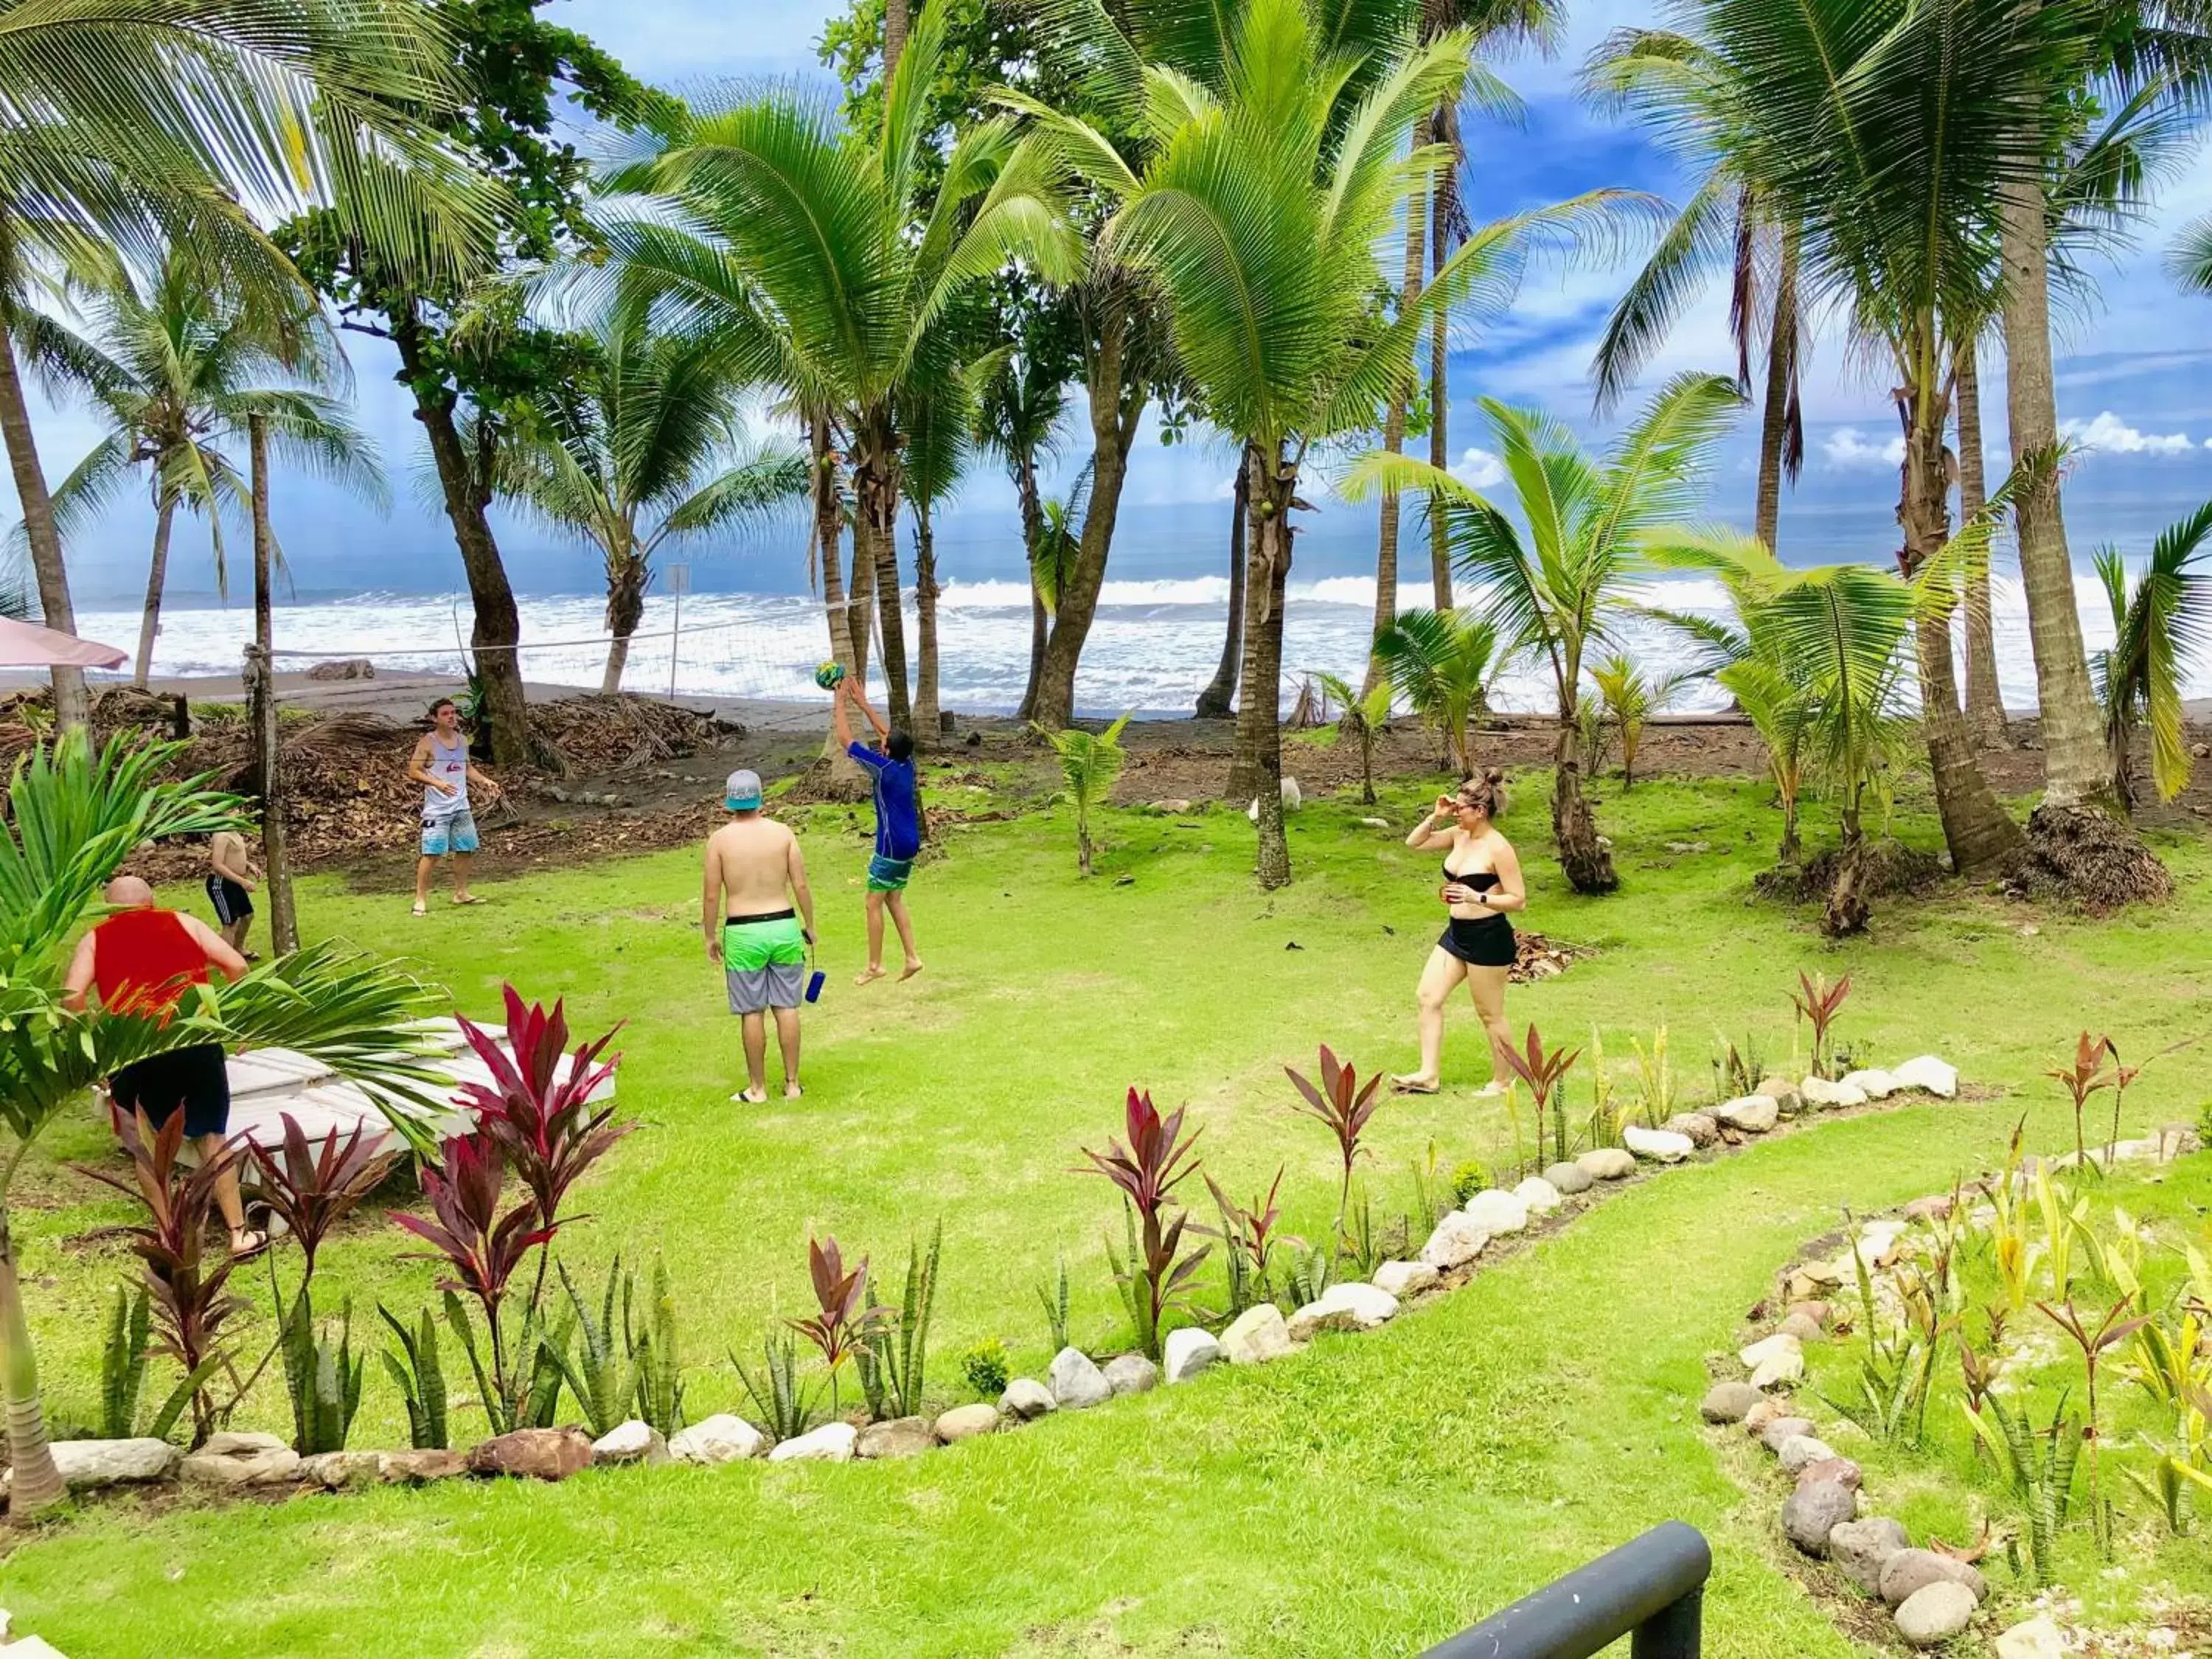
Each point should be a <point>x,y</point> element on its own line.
<point>1479,941</point>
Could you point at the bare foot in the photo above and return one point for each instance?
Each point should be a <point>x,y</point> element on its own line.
<point>1413,1083</point>
<point>749,1098</point>
<point>1492,1090</point>
<point>792,1091</point>
<point>912,968</point>
<point>867,974</point>
<point>466,898</point>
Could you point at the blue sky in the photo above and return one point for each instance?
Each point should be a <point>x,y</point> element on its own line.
<point>2135,375</point>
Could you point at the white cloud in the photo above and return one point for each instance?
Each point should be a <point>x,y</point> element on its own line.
<point>1479,469</point>
<point>2110,432</point>
<point>1848,446</point>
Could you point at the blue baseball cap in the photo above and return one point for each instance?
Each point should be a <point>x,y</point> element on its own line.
<point>742,793</point>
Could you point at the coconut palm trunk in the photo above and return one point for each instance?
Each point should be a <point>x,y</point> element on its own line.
<point>1775,421</point>
<point>36,1484</point>
<point>157,571</point>
<point>1256,773</point>
<point>626,579</point>
<point>1975,828</point>
<point>1394,432</point>
<point>275,862</point>
<point>1031,499</point>
<point>2074,764</point>
<point>875,542</point>
<point>927,721</point>
<point>1440,558</point>
<point>1583,857</point>
<point>72,703</point>
<point>1220,694</point>
<point>1985,720</point>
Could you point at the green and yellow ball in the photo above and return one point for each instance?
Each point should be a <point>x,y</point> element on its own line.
<point>829,676</point>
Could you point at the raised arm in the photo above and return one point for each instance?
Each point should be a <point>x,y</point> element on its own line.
<point>1437,826</point>
<point>802,896</point>
<point>840,724</point>
<point>860,697</point>
<point>710,904</point>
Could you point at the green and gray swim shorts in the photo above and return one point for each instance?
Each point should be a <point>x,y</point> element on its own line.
<point>763,962</point>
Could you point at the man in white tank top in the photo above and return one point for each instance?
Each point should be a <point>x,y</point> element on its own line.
<point>441,764</point>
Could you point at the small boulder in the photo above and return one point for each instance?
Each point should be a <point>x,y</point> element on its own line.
<point>1934,1207</point>
<point>1660,1145</point>
<point>1785,1095</point>
<point>1255,1336</point>
<point>2039,1639</point>
<point>1780,1430</point>
<point>1873,1083</point>
<point>1798,1326</point>
<point>1817,1312</point>
<point>1910,1571</point>
<point>1818,1091</point>
<point>1860,1548</point>
<point>1132,1373</point>
<point>1495,1211</point>
<point>1780,1371</point>
<point>966,1422</point>
<point>1026,1397</point>
<point>1188,1351</point>
<point>1757,1420</point>
<point>344,668</point>
<point>1405,1279</point>
<point>1925,1072</point>
<point>1766,1347</point>
<point>901,1436</point>
<point>1348,1307</point>
<point>1800,1451</point>
<point>414,1469</point>
<point>1753,1115</point>
<point>832,1442</point>
<point>634,1442</point>
<point>1075,1382</point>
<point>1934,1614</point>
<point>1728,1402</point>
<point>1539,1196</point>
<point>2177,1140</point>
<point>1607,1164</point>
<point>1841,1470</point>
<point>1568,1179</point>
<point>722,1438</point>
<point>533,1453</point>
<point>1702,1128</point>
<point>1811,1513</point>
<point>87,1465</point>
<point>1455,1243</point>
<point>242,1460</point>
<point>336,1471</point>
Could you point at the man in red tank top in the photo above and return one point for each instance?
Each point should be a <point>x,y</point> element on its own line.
<point>143,960</point>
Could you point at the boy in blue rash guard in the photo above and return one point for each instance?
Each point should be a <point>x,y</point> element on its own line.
<point>889,762</point>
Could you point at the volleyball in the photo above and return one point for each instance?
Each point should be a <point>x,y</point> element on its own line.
<point>829,676</point>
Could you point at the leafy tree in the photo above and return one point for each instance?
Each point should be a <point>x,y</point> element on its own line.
<point>471,368</point>
<point>176,371</point>
<point>1442,664</point>
<point>644,443</point>
<point>2159,620</point>
<point>76,814</point>
<point>1556,592</point>
<point>133,128</point>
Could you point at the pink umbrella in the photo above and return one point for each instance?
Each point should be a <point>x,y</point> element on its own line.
<point>27,645</point>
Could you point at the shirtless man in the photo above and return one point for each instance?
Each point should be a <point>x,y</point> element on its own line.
<point>441,765</point>
<point>754,874</point>
<point>230,884</point>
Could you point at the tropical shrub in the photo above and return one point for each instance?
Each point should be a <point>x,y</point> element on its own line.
<point>894,1355</point>
<point>778,1399</point>
<point>1469,1178</point>
<point>1443,664</point>
<point>1817,1003</point>
<point>1155,1274</point>
<point>986,1368</point>
<point>844,1320</point>
<point>1089,762</point>
<point>1055,1300</point>
<point>1544,1072</point>
<point>1249,1238</point>
<point>1360,719</point>
<point>1341,1106</point>
<point>415,1369</point>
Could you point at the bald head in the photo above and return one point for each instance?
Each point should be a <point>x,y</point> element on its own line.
<point>129,893</point>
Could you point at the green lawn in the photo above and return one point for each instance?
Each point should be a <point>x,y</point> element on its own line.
<point>1369,1496</point>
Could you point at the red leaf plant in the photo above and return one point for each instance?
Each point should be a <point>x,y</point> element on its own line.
<point>1250,1235</point>
<point>482,1246</point>
<point>1541,1071</point>
<point>192,1300</point>
<point>1345,1107</point>
<point>844,1317</point>
<point>2084,1077</point>
<point>1818,1002</point>
<point>538,1108</point>
<point>1157,1159</point>
<point>311,1186</point>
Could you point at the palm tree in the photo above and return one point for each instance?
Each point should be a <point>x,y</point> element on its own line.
<point>1090,761</point>
<point>1258,214</point>
<point>75,816</point>
<point>809,254</point>
<point>136,128</point>
<point>939,448</point>
<point>2190,261</point>
<point>176,372</point>
<point>1729,221</point>
<point>643,443</point>
<point>1626,699</point>
<point>1443,665</point>
<point>1018,419</point>
<point>1556,592</point>
<point>2161,620</point>
<point>1361,716</point>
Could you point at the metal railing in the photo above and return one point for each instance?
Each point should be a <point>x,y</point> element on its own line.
<point>1651,1589</point>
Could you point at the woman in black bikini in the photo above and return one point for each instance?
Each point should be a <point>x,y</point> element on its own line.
<point>1482,883</point>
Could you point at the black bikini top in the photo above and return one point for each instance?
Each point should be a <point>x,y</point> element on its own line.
<point>1481,880</point>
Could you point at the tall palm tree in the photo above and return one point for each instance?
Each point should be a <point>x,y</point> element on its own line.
<point>136,127</point>
<point>1018,419</point>
<point>175,371</point>
<point>940,448</point>
<point>1731,222</point>
<point>643,444</point>
<point>2159,620</point>
<point>808,253</point>
<point>1258,215</point>
<point>76,815</point>
<point>1557,592</point>
<point>1443,665</point>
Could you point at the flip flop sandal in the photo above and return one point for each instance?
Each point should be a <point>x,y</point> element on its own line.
<point>256,1242</point>
<point>422,909</point>
<point>471,899</point>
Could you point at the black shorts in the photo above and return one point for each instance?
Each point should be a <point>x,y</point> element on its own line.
<point>232,902</point>
<point>192,1078</point>
<point>1479,941</point>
